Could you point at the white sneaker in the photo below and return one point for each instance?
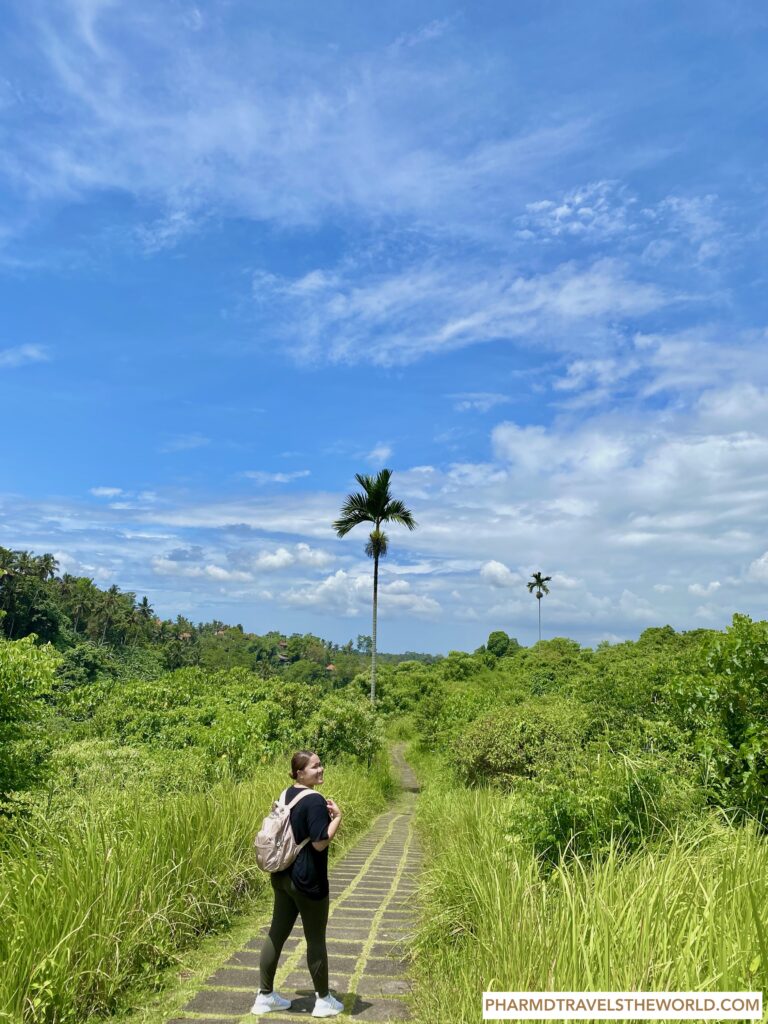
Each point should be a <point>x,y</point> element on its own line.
<point>326,1006</point>
<point>265,1002</point>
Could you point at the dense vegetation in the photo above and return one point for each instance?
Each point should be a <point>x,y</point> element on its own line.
<point>136,759</point>
<point>592,819</point>
<point>613,800</point>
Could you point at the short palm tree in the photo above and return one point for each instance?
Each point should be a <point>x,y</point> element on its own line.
<point>374,504</point>
<point>538,583</point>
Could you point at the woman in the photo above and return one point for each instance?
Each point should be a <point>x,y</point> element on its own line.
<point>302,889</point>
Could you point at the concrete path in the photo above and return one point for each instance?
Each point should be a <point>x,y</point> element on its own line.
<point>372,915</point>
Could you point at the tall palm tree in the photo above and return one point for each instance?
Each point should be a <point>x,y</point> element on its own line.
<point>374,504</point>
<point>538,583</point>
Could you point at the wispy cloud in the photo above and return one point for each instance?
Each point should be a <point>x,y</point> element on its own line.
<point>260,131</point>
<point>598,210</point>
<point>184,443</point>
<point>167,232</point>
<point>262,477</point>
<point>432,30</point>
<point>380,454</point>
<point>22,354</point>
<point>106,492</point>
<point>478,401</point>
<point>432,307</point>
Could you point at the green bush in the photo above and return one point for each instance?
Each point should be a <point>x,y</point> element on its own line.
<point>603,800</point>
<point>83,663</point>
<point>345,725</point>
<point>96,767</point>
<point>510,743</point>
<point>500,643</point>
<point>721,699</point>
<point>26,678</point>
<point>443,714</point>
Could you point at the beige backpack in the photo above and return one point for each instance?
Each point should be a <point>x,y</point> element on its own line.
<point>275,844</point>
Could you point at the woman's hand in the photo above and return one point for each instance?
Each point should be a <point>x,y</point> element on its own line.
<point>333,809</point>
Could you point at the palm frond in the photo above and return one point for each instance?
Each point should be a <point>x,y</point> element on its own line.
<point>396,512</point>
<point>354,511</point>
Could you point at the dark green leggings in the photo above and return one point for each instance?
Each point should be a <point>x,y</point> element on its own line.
<point>289,903</point>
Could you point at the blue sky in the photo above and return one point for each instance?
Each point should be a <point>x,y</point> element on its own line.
<point>515,252</point>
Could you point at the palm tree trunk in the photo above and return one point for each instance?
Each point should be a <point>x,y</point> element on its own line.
<point>373,631</point>
<point>539,604</point>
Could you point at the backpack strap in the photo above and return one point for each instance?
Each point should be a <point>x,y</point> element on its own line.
<point>300,796</point>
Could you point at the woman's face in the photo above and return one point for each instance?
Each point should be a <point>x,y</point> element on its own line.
<point>312,772</point>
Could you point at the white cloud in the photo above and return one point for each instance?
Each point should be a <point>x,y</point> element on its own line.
<point>478,401</point>
<point>305,555</point>
<point>264,130</point>
<point>277,559</point>
<point>349,594</point>
<point>106,492</point>
<point>22,354</point>
<point>167,232</point>
<point>758,569</point>
<point>397,318</point>
<point>432,30</point>
<point>261,477</point>
<point>498,575</point>
<point>300,554</point>
<point>702,590</point>
<point>380,454</point>
<point>562,580</point>
<point>541,450</point>
<point>636,608</point>
<point>600,209</point>
<point>184,443</point>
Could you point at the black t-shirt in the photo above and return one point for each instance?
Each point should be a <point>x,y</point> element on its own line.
<point>309,818</point>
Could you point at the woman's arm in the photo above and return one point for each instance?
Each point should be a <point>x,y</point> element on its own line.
<point>333,827</point>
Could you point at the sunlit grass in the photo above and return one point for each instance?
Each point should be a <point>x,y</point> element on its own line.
<point>92,907</point>
<point>689,913</point>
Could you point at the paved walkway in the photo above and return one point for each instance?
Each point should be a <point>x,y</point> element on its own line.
<point>372,914</point>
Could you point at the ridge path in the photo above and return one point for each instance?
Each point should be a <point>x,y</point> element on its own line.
<point>372,916</point>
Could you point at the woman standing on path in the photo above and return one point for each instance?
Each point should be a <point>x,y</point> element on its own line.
<point>302,889</point>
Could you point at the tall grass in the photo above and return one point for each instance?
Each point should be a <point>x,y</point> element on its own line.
<point>688,913</point>
<point>97,904</point>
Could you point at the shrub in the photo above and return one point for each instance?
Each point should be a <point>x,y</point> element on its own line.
<point>603,799</point>
<point>26,677</point>
<point>517,742</point>
<point>500,643</point>
<point>723,702</point>
<point>345,725</point>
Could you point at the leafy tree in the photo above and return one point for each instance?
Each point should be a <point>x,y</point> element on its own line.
<point>27,595</point>
<point>538,583</point>
<point>78,596</point>
<point>345,724</point>
<point>26,677</point>
<point>374,504</point>
<point>498,643</point>
<point>83,664</point>
<point>724,701</point>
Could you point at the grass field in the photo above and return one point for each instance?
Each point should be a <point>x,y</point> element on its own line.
<point>105,901</point>
<point>689,912</point>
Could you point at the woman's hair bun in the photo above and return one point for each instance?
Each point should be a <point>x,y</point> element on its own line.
<point>300,760</point>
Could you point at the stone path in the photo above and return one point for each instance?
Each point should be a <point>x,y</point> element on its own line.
<point>371,918</point>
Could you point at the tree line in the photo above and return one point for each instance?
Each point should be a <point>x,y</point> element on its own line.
<point>97,628</point>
